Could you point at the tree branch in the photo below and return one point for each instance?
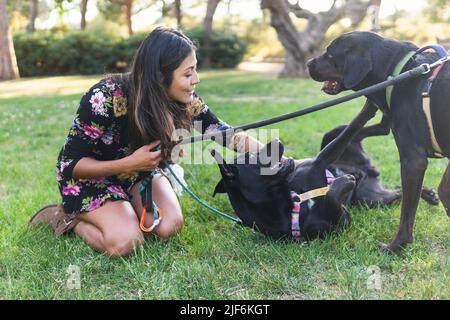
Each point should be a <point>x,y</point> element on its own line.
<point>299,12</point>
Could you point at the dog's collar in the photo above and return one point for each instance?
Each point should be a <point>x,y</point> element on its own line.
<point>398,68</point>
<point>297,199</point>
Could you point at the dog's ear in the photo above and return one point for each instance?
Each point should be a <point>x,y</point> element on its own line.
<point>223,166</point>
<point>220,188</point>
<point>356,67</point>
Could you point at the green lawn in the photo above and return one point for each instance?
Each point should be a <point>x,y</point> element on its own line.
<point>211,258</point>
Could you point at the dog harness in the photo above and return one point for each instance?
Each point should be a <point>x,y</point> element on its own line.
<point>426,106</point>
<point>297,199</point>
<point>443,56</point>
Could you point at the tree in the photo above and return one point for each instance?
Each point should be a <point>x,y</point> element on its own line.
<point>8,62</point>
<point>300,46</point>
<point>33,13</point>
<point>170,8</point>
<point>113,9</point>
<point>207,26</point>
<point>438,10</point>
<point>376,16</point>
<point>178,14</point>
<point>83,10</point>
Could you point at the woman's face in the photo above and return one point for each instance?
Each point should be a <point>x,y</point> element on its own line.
<point>185,78</point>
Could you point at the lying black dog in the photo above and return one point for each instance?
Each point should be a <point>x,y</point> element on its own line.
<point>355,161</point>
<point>359,59</point>
<point>271,202</point>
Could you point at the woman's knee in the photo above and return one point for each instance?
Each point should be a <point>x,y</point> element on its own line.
<point>123,244</point>
<point>170,227</point>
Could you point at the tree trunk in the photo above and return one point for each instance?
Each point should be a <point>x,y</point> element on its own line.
<point>8,62</point>
<point>32,15</point>
<point>300,46</point>
<point>83,10</point>
<point>178,14</point>
<point>376,16</point>
<point>128,15</point>
<point>207,27</point>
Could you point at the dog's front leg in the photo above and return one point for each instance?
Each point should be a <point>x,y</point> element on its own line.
<point>334,149</point>
<point>380,129</point>
<point>413,167</point>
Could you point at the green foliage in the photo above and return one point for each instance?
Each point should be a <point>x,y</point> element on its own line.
<point>227,49</point>
<point>438,10</point>
<point>45,53</point>
<point>32,52</point>
<point>110,9</point>
<point>77,52</point>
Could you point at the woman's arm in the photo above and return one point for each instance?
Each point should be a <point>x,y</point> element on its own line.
<point>242,142</point>
<point>141,160</point>
<point>89,168</point>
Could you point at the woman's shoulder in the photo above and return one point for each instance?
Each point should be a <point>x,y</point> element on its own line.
<point>197,106</point>
<point>107,98</point>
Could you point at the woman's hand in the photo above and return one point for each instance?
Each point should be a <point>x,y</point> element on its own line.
<point>297,162</point>
<point>143,159</point>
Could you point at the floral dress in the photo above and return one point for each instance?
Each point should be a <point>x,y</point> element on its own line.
<point>99,131</point>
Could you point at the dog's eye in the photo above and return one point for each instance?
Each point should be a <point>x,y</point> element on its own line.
<point>332,60</point>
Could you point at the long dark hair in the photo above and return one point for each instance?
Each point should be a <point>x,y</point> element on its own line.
<point>153,115</point>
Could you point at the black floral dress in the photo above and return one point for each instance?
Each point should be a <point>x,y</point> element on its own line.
<point>99,131</point>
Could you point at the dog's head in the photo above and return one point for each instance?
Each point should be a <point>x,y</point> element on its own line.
<point>256,184</point>
<point>355,60</point>
<point>324,214</point>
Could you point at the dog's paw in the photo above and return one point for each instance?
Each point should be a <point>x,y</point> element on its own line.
<point>389,248</point>
<point>430,195</point>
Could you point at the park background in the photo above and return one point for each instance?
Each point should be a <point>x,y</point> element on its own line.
<point>252,58</point>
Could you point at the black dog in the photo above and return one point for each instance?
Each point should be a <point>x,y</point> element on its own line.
<point>355,161</point>
<point>265,202</point>
<point>359,59</point>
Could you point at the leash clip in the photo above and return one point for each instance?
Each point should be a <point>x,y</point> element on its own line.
<point>440,61</point>
<point>427,68</point>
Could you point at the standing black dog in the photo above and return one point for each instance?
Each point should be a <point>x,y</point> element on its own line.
<point>266,202</point>
<point>359,59</point>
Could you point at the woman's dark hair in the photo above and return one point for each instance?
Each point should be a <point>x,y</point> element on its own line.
<point>153,115</point>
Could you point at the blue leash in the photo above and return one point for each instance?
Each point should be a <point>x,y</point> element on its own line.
<point>185,188</point>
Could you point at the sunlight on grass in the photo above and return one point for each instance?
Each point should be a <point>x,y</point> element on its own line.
<point>47,86</point>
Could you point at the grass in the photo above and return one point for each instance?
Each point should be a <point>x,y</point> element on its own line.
<point>211,258</point>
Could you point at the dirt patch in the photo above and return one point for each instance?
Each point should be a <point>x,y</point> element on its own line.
<point>263,67</point>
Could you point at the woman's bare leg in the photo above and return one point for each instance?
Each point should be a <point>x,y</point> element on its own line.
<point>166,199</point>
<point>112,228</point>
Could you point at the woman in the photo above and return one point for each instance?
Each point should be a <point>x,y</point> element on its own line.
<point>118,122</point>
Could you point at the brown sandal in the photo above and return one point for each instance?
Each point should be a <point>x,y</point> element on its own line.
<point>54,216</point>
